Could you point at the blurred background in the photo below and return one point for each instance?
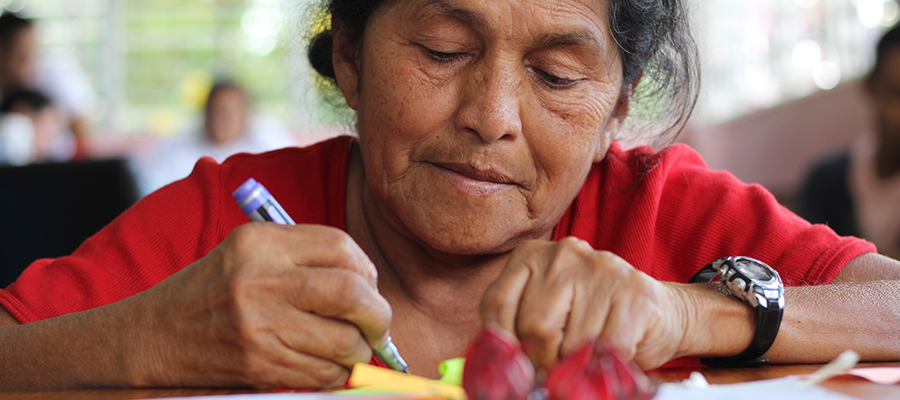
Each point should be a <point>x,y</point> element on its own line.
<point>781,84</point>
<point>781,79</point>
<point>150,63</point>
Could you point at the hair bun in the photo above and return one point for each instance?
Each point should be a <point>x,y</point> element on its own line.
<point>320,54</point>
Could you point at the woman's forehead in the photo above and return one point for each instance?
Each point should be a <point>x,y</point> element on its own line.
<point>579,22</point>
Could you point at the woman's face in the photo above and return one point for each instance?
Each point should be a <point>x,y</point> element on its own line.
<point>479,120</point>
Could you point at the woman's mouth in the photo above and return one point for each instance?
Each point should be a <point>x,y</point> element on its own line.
<point>471,179</point>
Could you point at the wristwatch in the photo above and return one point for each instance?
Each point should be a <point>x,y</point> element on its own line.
<point>758,285</point>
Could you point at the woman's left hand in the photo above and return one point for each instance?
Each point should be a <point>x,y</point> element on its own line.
<point>555,296</point>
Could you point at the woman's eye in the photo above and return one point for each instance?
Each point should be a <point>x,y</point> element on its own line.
<point>442,57</point>
<point>554,81</point>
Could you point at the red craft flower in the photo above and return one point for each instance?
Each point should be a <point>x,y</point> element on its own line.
<point>497,369</point>
<point>597,371</point>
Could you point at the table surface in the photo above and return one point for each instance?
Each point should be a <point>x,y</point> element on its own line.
<point>850,385</point>
<point>853,386</point>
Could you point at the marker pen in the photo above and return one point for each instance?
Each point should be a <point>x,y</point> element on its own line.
<point>260,206</point>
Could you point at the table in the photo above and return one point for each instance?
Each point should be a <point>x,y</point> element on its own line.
<point>856,387</point>
<point>853,386</point>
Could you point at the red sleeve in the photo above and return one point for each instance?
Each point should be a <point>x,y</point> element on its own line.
<point>711,214</point>
<point>668,214</point>
<point>155,238</point>
<point>179,224</point>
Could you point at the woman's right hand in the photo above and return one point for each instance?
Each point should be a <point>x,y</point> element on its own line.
<point>272,305</point>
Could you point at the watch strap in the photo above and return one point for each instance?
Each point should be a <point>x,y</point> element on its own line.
<point>707,274</point>
<point>766,322</point>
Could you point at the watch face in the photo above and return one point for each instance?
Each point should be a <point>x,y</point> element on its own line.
<point>753,271</point>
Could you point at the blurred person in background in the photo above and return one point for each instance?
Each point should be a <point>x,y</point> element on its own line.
<point>857,192</point>
<point>227,129</point>
<point>23,66</point>
<point>17,47</point>
<point>31,130</point>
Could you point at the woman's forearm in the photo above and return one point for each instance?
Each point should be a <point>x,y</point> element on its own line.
<point>81,350</point>
<point>860,311</point>
<point>822,321</point>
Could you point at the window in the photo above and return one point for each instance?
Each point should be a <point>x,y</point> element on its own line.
<point>151,62</point>
<point>756,54</point>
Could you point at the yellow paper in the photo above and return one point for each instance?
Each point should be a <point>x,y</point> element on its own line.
<point>377,378</point>
<point>452,371</point>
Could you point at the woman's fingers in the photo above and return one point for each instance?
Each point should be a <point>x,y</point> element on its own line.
<point>342,295</point>
<point>274,305</point>
<point>578,331</point>
<point>305,371</point>
<point>321,337</point>
<point>625,328</point>
<point>316,269</point>
<point>547,301</point>
<point>306,245</point>
<point>557,296</point>
<point>292,369</point>
<point>331,247</point>
<point>317,321</point>
<point>500,305</point>
<point>533,298</point>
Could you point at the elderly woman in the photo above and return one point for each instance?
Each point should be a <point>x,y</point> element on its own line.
<point>485,188</point>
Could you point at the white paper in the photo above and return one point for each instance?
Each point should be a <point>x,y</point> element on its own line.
<point>748,392</point>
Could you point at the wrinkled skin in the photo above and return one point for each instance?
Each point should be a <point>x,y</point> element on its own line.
<point>271,306</point>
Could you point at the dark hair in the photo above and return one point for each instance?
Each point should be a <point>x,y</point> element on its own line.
<point>10,24</point>
<point>889,41</point>
<point>659,56</point>
<point>34,99</point>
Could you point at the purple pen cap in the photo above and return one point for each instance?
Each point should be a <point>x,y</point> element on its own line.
<point>251,195</point>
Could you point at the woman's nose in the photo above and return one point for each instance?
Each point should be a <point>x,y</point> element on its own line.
<point>491,103</point>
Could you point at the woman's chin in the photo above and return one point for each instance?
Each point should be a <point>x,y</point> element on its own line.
<point>470,247</point>
<point>462,238</point>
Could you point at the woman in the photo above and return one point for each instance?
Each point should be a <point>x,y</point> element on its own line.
<point>485,140</point>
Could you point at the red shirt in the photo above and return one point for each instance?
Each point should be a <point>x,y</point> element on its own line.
<point>665,213</point>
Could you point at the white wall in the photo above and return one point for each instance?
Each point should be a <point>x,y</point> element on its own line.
<point>776,147</point>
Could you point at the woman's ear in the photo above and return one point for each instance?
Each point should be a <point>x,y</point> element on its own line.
<point>613,126</point>
<point>346,63</point>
